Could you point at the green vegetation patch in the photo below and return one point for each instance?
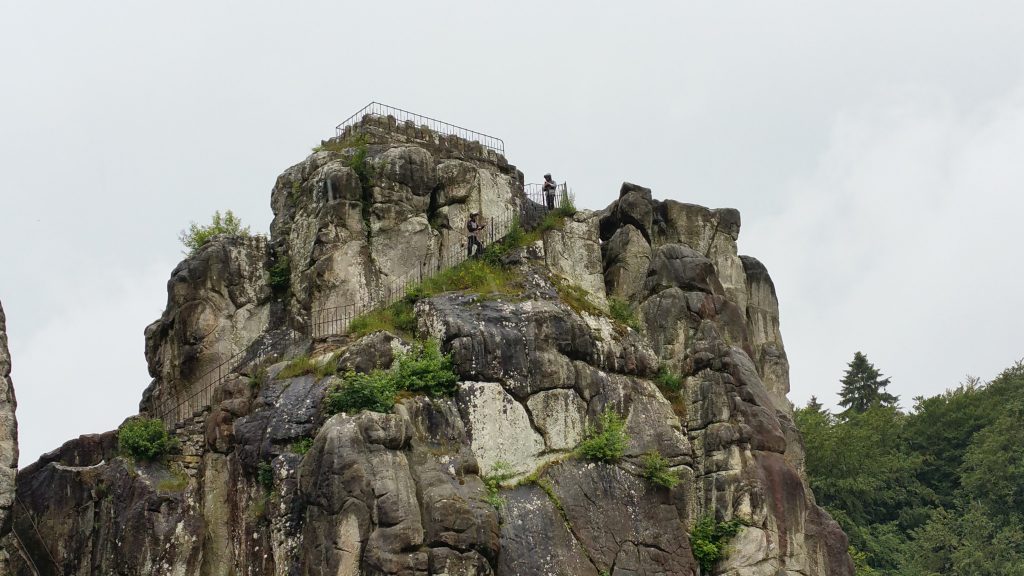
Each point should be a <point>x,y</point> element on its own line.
<point>421,370</point>
<point>143,438</point>
<point>176,482</point>
<point>607,441</point>
<point>302,446</point>
<point>623,312</point>
<point>198,236</point>
<point>576,297</point>
<point>280,275</point>
<point>656,470</point>
<point>500,472</point>
<point>265,475</point>
<point>399,318</point>
<point>302,365</point>
<point>709,540</point>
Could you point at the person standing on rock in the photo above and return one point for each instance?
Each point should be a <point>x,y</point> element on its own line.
<point>473,227</point>
<point>549,191</point>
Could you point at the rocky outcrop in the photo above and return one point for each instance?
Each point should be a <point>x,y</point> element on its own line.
<point>489,481</point>
<point>380,206</point>
<point>218,304</point>
<point>8,438</point>
<point>765,336</point>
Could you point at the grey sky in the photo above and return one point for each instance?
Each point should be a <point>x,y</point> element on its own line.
<point>874,149</point>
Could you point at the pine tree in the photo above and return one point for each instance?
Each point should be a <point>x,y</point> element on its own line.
<point>814,405</point>
<point>864,387</point>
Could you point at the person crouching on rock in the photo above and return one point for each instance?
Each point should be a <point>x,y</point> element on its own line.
<point>473,226</point>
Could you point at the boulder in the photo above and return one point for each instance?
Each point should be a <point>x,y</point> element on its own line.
<point>678,266</point>
<point>574,253</point>
<point>627,257</point>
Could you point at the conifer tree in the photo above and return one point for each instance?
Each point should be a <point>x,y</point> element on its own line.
<point>864,387</point>
<point>814,405</point>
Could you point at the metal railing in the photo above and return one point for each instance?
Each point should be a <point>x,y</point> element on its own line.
<point>172,412</point>
<point>326,322</point>
<point>561,195</point>
<point>397,116</point>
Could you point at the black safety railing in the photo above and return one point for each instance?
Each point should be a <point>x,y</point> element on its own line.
<point>325,322</point>
<point>397,116</point>
<point>173,411</point>
<point>561,195</point>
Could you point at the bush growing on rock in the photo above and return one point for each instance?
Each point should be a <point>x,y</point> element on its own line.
<point>656,470</point>
<point>606,442</point>
<point>143,438</point>
<point>197,236</point>
<point>421,370</point>
<point>708,540</point>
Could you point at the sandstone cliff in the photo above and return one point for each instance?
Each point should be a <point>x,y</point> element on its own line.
<point>266,481</point>
<point>8,438</point>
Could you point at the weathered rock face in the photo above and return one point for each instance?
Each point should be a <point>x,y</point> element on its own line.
<point>267,481</point>
<point>217,305</point>
<point>376,208</point>
<point>8,438</point>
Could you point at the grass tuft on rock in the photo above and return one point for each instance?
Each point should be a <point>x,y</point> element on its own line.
<point>500,472</point>
<point>623,312</point>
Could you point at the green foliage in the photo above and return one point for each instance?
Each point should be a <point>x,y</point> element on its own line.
<point>475,275</point>
<point>656,470</point>
<point>576,297</point>
<point>197,236</point>
<point>375,391</point>
<point>258,378</point>
<point>566,207</point>
<point>280,275</point>
<point>143,438</point>
<point>398,317</point>
<point>861,472</point>
<point>671,385</point>
<point>299,366</point>
<point>421,370</point>
<point>864,387</point>
<point>514,238</point>
<point>938,491</point>
<point>424,370</point>
<point>667,380</point>
<point>177,481</point>
<point>301,447</point>
<point>623,312</point>
<point>500,472</point>
<point>606,442</point>
<point>861,567</point>
<point>708,540</point>
<point>302,365</point>
<point>265,475</point>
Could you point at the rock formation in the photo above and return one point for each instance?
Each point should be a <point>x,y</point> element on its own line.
<point>8,438</point>
<point>266,481</point>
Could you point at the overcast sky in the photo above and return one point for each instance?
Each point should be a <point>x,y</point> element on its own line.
<point>874,149</point>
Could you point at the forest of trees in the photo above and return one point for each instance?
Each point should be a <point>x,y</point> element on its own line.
<point>936,491</point>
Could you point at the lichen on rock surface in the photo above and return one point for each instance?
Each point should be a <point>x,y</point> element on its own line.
<point>487,481</point>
